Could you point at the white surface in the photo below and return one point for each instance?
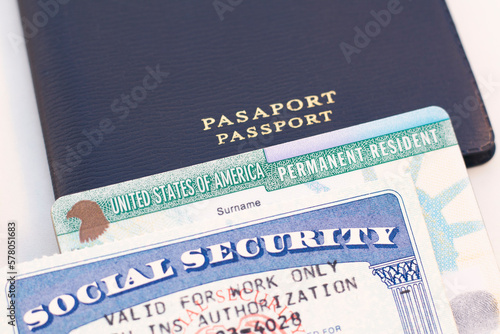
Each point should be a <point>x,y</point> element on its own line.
<point>479,28</point>
<point>26,192</point>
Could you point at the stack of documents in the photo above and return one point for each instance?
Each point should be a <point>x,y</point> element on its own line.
<point>367,229</point>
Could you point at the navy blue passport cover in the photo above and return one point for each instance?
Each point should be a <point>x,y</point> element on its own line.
<point>132,88</point>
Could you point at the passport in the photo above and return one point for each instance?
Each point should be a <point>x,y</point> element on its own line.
<point>130,89</point>
<point>389,199</point>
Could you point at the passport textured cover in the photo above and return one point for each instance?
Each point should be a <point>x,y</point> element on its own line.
<point>132,88</point>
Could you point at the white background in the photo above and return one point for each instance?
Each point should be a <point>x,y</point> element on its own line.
<point>26,192</point>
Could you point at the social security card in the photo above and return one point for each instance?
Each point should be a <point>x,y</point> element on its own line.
<point>352,231</point>
<point>358,265</point>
